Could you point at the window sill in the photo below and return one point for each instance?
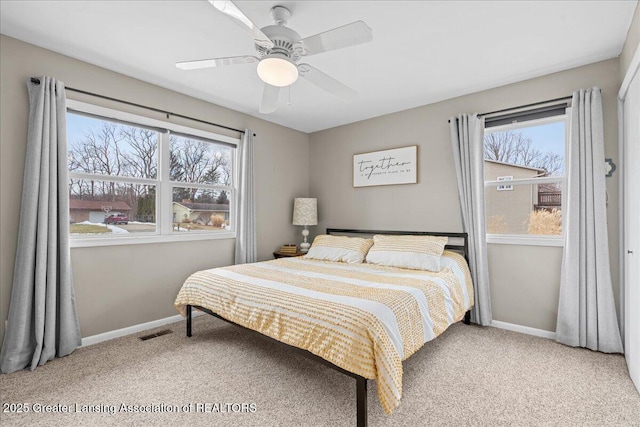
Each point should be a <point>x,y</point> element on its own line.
<point>86,242</point>
<point>525,240</point>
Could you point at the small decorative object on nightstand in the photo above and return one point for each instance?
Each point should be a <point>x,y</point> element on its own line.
<point>290,248</point>
<point>305,212</point>
<point>284,252</point>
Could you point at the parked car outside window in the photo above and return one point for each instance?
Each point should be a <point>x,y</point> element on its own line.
<point>117,219</point>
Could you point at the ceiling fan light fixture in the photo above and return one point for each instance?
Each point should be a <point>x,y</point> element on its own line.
<point>277,70</point>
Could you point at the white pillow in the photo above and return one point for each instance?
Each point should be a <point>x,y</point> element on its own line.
<point>413,252</point>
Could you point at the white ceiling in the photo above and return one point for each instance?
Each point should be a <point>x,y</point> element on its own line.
<point>422,51</point>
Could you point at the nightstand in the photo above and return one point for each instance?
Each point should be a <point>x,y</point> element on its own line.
<point>278,254</point>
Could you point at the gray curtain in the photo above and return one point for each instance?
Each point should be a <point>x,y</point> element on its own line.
<point>467,139</point>
<point>586,310</point>
<point>246,245</point>
<point>42,321</point>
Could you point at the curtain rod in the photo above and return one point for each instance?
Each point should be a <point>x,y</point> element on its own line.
<point>133,104</point>
<point>564,98</point>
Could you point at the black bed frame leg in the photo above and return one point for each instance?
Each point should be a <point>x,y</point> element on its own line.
<point>361,391</point>
<point>467,318</point>
<point>188,320</point>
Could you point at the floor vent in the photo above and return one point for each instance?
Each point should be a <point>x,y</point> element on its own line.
<point>157,334</point>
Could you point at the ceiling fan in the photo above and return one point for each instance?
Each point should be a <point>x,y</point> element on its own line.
<point>280,49</point>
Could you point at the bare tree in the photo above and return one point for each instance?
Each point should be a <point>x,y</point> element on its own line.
<point>142,160</point>
<point>515,148</point>
<point>98,152</point>
<point>197,161</point>
<point>116,150</point>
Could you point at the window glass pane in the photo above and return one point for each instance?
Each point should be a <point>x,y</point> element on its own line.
<point>114,163</point>
<point>201,210</point>
<point>525,209</point>
<point>197,161</point>
<point>111,208</point>
<point>525,152</point>
<point>107,148</point>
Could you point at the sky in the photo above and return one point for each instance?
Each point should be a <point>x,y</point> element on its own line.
<point>77,126</point>
<point>548,137</point>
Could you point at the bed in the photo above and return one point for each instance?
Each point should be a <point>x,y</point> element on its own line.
<point>363,320</point>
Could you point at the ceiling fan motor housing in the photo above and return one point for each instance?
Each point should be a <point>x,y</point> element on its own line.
<point>285,40</point>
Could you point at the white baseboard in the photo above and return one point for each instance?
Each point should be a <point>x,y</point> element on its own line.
<point>95,339</point>
<point>523,329</point>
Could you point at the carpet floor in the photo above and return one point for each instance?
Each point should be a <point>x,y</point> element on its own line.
<point>227,376</point>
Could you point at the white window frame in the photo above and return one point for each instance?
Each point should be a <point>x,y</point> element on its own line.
<point>164,186</point>
<point>528,239</point>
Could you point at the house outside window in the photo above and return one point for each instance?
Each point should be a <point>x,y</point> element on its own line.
<point>524,171</point>
<point>133,179</point>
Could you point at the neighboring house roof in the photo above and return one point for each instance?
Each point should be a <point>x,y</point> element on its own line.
<point>515,166</point>
<point>97,205</point>
<point>206,207</point>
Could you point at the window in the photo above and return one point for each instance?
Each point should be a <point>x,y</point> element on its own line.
<point>136,180</point>
<point>524,169</point>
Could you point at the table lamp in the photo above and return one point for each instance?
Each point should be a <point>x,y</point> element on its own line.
<point>305,213</point>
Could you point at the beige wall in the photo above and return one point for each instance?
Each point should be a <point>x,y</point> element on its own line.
<point>631,43</point>
<point>524,285</point>
<point>432,204</point>
<point>120,286</point>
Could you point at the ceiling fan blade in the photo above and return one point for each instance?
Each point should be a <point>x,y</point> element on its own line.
<point>216,62</point>
<point>269,99</point>
<point>348,35</point>
<point>230,9</point>
<point>326,82</point>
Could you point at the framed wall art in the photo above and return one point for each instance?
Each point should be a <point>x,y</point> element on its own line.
<point>387,167</point>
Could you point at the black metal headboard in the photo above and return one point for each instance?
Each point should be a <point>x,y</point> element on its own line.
<point>464,247</point>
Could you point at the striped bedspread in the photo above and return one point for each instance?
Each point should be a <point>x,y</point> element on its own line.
<point>363,318</point>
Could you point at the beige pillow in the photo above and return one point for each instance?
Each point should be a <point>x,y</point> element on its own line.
<point>414,252</point>
<point>339,248</point>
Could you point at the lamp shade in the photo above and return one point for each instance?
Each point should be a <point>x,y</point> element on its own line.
<point>305,211</point>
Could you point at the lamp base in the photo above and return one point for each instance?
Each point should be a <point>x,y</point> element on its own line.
<point>304,246</point>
